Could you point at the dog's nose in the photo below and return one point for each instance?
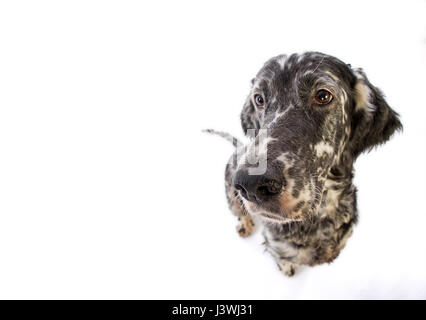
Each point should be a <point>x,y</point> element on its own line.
<point>257,188</point>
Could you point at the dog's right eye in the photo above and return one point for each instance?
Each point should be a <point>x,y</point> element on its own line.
<point>323,97</point>
<point>259,100</point>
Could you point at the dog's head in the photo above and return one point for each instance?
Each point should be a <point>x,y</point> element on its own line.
<point>311,115</point>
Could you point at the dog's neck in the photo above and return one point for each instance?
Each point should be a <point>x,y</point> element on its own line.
<point>339,197</point>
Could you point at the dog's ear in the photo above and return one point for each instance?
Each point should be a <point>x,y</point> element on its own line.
<point>373,121</point>
<point>249,118</point>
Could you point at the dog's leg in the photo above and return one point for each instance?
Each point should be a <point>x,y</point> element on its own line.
<point>279,250</point>
<point>245,225</point>
<point>286,267</point>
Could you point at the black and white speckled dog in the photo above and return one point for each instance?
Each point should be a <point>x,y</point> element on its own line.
<point>320,115</point>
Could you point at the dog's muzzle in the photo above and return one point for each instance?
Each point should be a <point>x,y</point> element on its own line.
<point>258,188</point>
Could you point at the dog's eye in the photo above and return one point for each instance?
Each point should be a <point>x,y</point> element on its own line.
<point>323,97</point>
<point>258,99</point>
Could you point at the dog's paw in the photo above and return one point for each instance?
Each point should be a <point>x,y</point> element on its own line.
<point>245,226</point>
<point>286,268</point>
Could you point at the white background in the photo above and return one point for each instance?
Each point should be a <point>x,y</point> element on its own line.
<point>108,188</point>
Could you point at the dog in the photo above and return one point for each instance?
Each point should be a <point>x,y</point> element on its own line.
<point>319,115</point>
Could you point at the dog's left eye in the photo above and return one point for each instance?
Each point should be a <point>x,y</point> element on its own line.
<point>323,97</point>
<point>259,100</point>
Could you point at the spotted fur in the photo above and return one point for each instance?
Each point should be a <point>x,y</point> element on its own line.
<point>311,151</point>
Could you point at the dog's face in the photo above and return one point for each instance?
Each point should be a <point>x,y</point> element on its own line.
<point>319,115</point>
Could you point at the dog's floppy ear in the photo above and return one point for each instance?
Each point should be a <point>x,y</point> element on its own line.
<point>373,121</point>
<point>249,118</point>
